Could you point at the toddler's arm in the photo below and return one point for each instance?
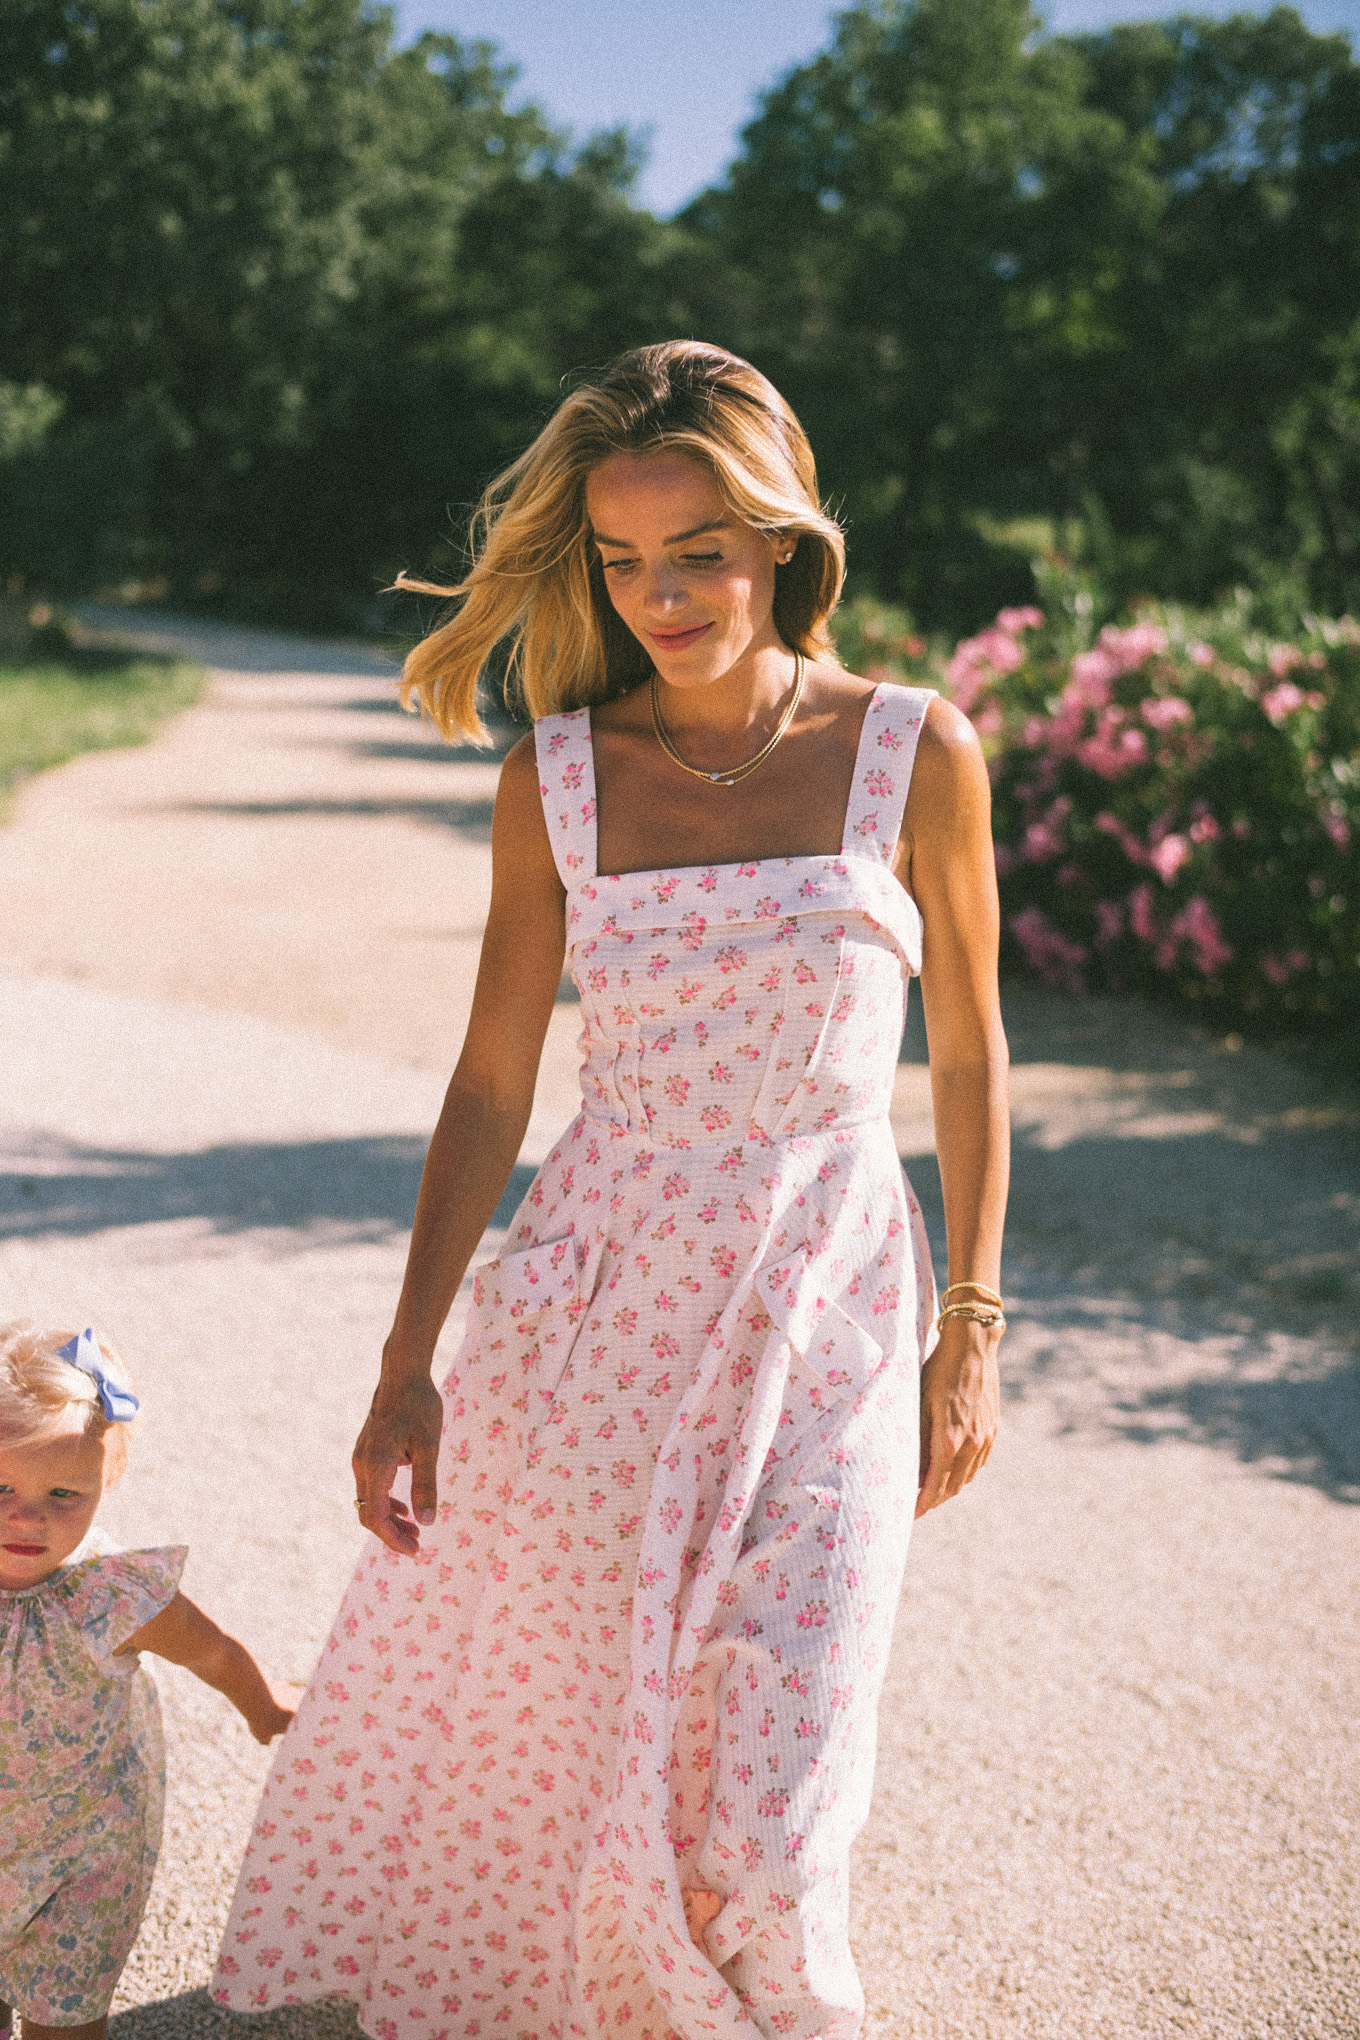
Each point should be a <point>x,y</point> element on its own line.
<point>183,1634</point>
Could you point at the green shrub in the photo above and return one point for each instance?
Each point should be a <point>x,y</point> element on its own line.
<point>1177,800</point>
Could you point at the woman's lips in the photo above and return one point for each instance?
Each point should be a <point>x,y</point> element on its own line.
<point>677,640</point>
<point>25,1550</point>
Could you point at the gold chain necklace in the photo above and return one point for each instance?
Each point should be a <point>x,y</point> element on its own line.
<point>749,765</point>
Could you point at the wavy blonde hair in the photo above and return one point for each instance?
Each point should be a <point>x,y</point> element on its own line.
<point>37,1387</point>
<point>535,579</point>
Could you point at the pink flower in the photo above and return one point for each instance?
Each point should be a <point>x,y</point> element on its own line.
<point>1131,648</point>
<point>1019,619</point>
<point>1093,674</point>
<point>1279,969</point>
<point>1203,827</point>
<point>1049,952</point>
<point>1282,701</point>
<point>1141,917</point>
<point>1200,654</point>
<point>1339,829</point>
<point>1163,712</point>
<point>1044,838</point>
<point>1113,750</point>
<point>1282,659</point>
<point>1109,923</point>
<point>977,660</point>
<point>1110,825</point>
<point>1168,857</point>
<point>1198,925</point>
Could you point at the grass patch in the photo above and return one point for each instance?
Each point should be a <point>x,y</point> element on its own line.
<point>88,698</point>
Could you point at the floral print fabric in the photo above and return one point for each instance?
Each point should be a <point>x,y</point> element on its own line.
<point>642,1648</point>
<point>82,1778</point>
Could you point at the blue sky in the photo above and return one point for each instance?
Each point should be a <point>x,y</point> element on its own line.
<point>690,69</point>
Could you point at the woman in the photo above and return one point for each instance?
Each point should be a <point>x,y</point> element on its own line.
<point>595,1729</point>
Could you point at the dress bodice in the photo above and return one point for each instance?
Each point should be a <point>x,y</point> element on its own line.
<point>730,1004</point>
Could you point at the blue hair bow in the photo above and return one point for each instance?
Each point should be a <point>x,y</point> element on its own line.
<point>119,1403</point>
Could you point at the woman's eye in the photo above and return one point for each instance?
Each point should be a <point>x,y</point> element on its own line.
<point>618,566</point>
<point>63,1494</point>
<point>712,559</point>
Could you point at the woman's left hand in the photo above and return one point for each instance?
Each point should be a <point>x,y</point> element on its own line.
<point>960,1409</point>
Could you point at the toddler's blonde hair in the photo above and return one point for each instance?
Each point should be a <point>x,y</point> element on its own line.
<point>535,581</point>
<point>37,1387</point>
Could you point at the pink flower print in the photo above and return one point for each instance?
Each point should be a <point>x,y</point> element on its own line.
<point>690,988</point>
<point>572,776</point>
<point>772,1803</point>
<point>731,959</point>
<point>813,1616</point>
<point>556,741</point>
<point>670,1515</point>
<point>747,870</point>
<point>664,887</point>
<point>675,1185</point>
<point>867,825</point>
<point>714,1118</point>
<point>708,880</point>
<point>677,1088</point>
<point>878,784</point>
<point>724,1259</point>
<point>766,909</point>
<point>890,740</point>
<point>588,810</point>
<point>658,964</point>
<point>692,930</point>
<point>771,980</point>
<point>720,1074</point>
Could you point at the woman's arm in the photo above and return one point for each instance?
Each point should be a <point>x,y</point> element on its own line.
<point>184,1635</point>
<point>473,1149</point>
<point>951,873</point>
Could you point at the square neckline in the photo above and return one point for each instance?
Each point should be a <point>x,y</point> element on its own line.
<point>740,864</point>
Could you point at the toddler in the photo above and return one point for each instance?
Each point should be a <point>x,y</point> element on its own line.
<point>81,1763</point>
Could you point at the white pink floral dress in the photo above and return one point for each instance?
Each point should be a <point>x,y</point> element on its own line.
<point>642,1648</point>
<point>82,1778</point>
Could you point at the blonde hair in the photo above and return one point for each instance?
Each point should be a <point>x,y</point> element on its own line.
<point>535,577</point>
<point>37,1387</point>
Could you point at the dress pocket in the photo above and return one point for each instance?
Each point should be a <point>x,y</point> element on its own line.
<point>840,1352</point>
<point>521,1286</point>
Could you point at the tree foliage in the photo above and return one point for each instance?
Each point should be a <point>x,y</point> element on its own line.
<point>280,296</point>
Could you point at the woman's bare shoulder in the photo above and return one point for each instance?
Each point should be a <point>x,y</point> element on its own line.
<point>950,768</point>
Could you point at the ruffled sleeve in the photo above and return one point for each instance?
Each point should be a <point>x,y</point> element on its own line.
<point>110,1597</point>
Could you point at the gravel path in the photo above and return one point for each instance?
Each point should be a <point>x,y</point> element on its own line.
<point>1117,1793</point>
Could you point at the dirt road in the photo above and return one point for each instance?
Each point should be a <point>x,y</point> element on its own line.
<point>1116,1795</point>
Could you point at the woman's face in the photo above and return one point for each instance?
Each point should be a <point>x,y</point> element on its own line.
<point>693,584</point>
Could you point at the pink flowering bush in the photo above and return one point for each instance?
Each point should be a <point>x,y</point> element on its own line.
<point>1177,801</point>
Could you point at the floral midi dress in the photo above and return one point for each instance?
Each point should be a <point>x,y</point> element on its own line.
<point>82,1778</point>
<point>642,1648</point>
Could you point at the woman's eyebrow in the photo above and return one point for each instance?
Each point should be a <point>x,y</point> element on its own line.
<point>677,538</point>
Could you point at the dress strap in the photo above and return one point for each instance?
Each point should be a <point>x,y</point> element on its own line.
<point>566,780</point>
<point>883,762</point>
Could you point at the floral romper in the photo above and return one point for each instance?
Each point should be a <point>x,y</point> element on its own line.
<point>642,1648</point>
<point>82,1778</point>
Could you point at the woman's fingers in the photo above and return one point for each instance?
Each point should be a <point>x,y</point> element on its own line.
<point>400,1430</point>
<point>959,1414</point>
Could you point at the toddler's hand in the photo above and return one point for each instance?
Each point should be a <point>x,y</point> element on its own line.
<point>273,1719</point>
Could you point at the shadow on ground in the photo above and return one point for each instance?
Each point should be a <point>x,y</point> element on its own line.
<point>361,1188</point>
<point>469,817</point>
<point>194,2016</point>
<point>1183,1240</point>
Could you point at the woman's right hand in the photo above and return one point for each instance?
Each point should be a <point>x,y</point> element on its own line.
<point>402,1428</point>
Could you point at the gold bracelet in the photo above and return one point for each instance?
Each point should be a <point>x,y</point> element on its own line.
<point>976,1313</point>
<point>987,1295</point>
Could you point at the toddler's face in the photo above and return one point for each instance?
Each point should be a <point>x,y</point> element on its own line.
<point>48,1496</point>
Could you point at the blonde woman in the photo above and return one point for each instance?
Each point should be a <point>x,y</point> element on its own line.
<point>595,1729</point>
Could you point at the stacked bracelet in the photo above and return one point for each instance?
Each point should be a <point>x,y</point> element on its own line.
<point>982,1306</point>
